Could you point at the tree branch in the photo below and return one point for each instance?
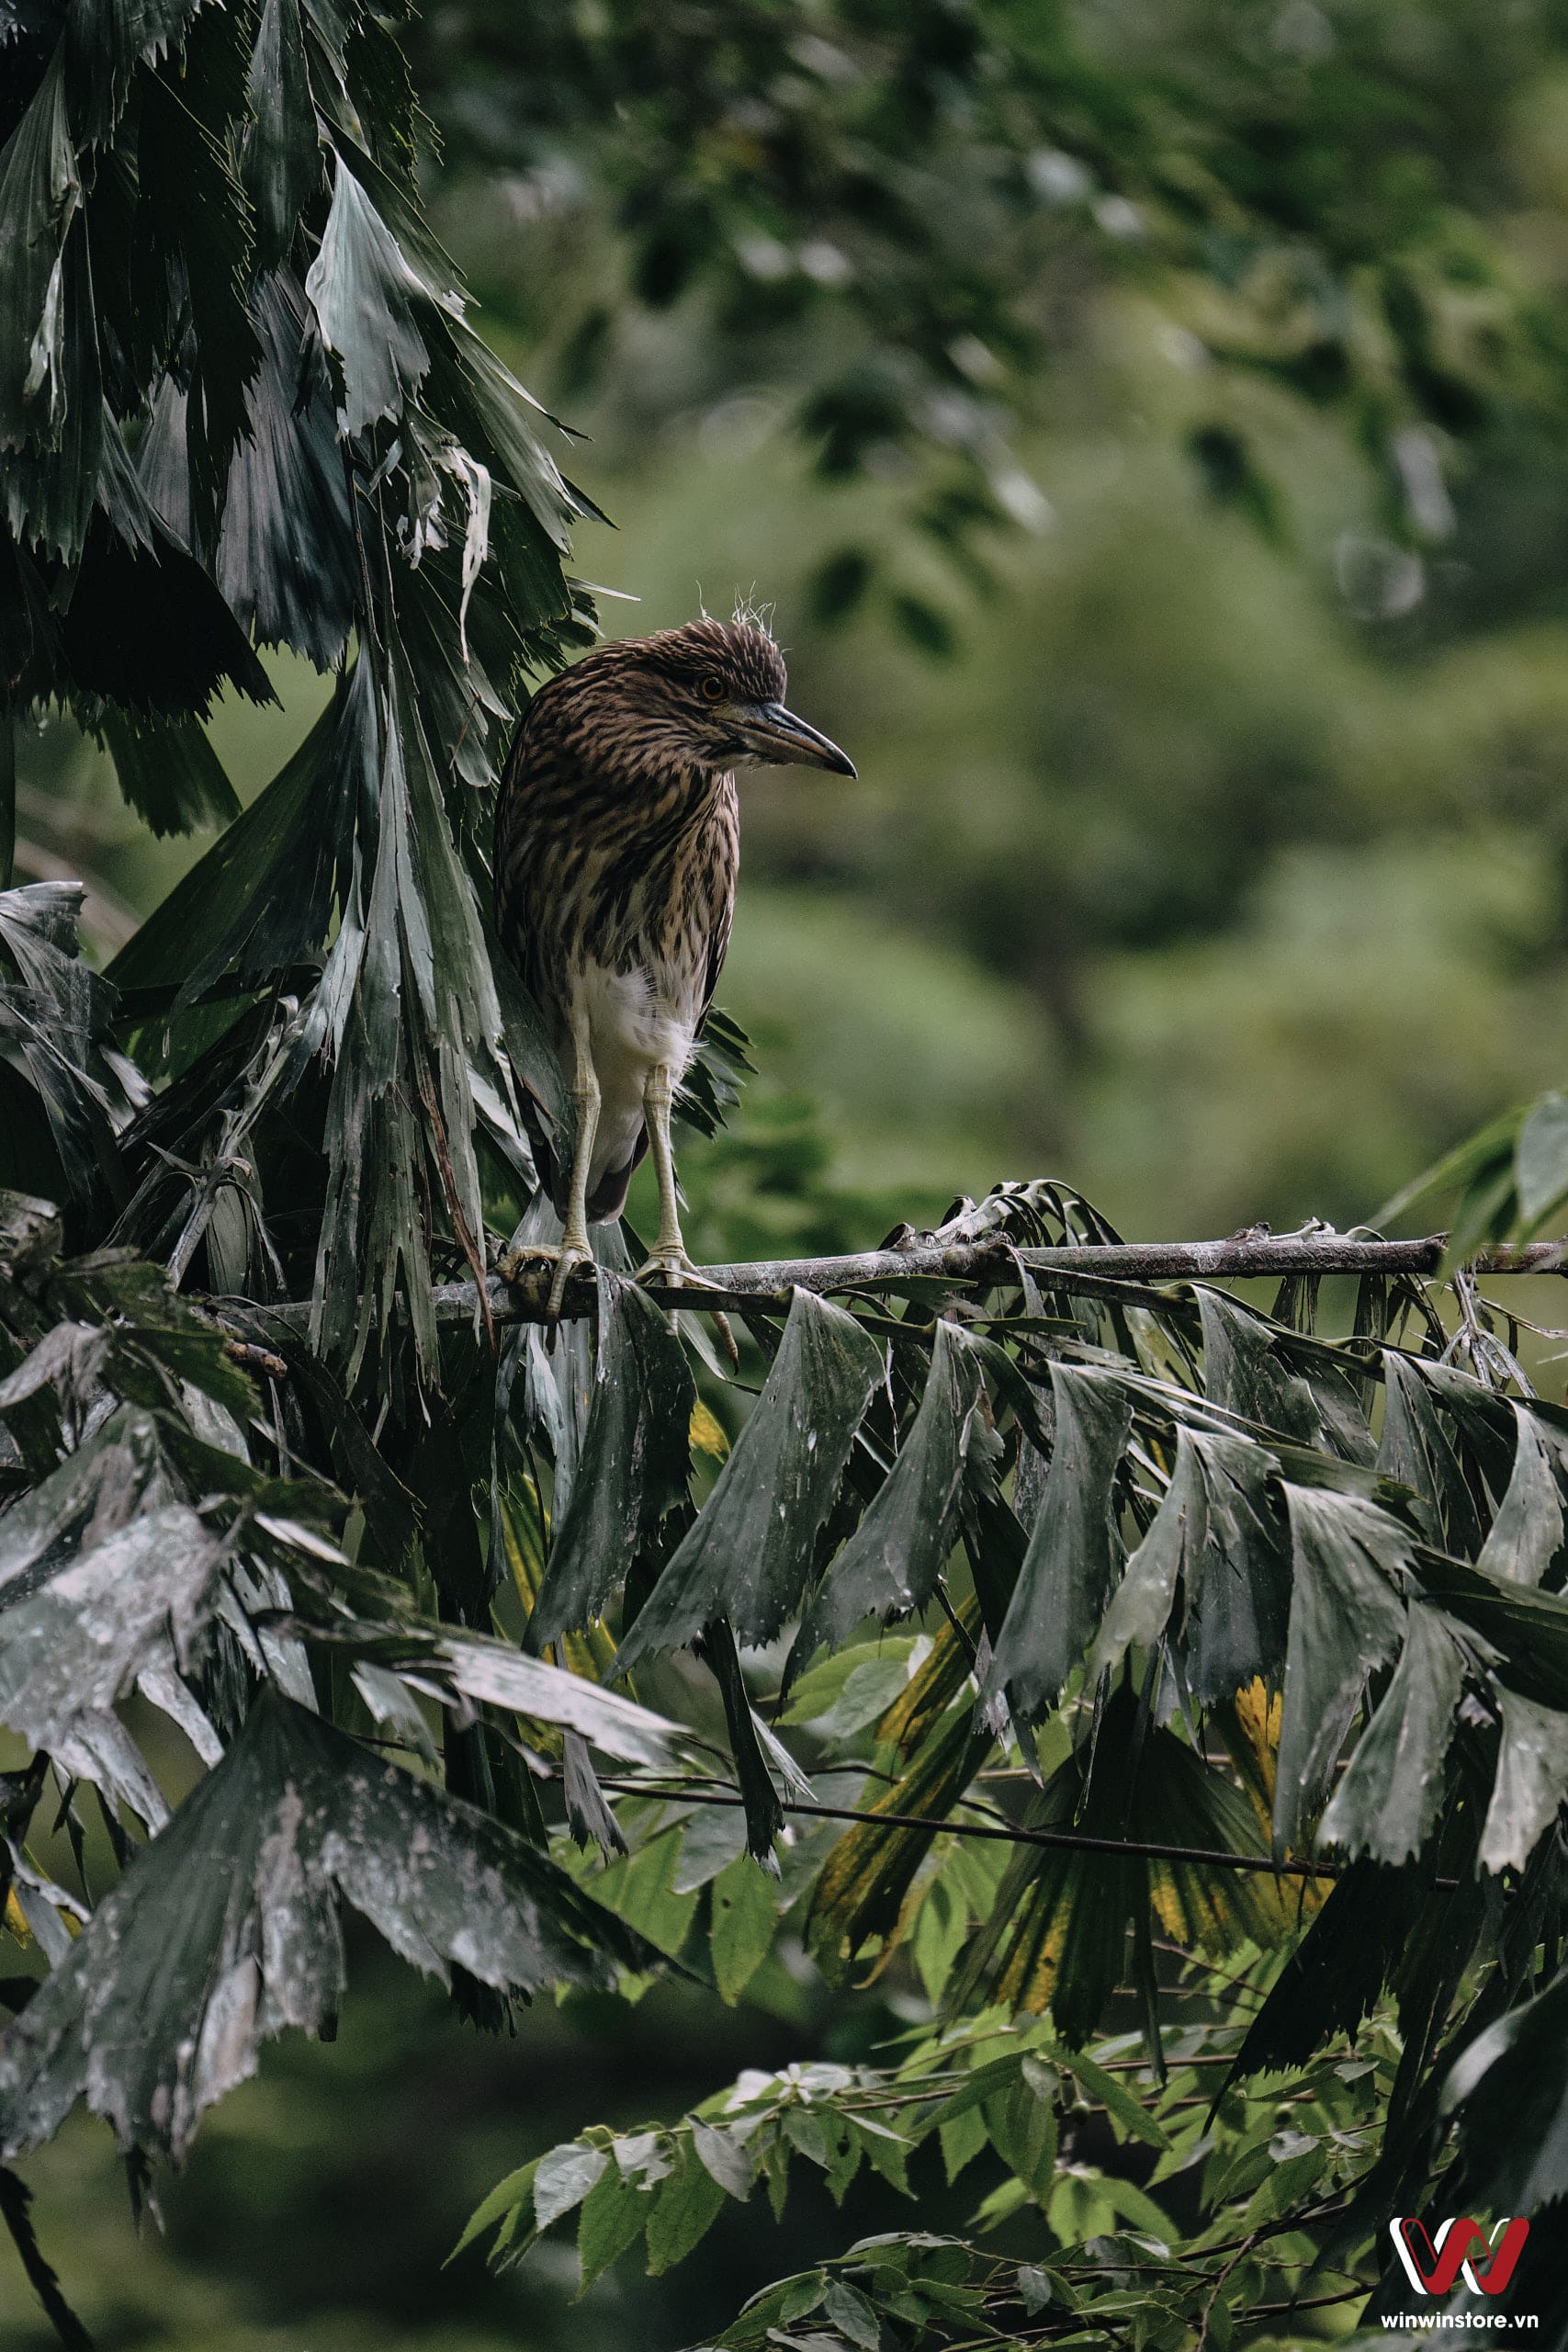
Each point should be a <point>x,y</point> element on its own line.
<point>1093,1268</point>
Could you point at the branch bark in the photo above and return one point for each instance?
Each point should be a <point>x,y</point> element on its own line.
<point>1092,1268</point>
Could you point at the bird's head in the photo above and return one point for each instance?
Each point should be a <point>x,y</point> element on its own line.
<point>708,696</point>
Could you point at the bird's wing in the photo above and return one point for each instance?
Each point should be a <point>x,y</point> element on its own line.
<point>725,860</point>
<point>718,943</point>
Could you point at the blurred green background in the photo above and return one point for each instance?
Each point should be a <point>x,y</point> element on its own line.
<point>1212,854</point>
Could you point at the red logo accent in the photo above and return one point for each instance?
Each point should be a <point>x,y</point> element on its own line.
<point>1433,2265</point>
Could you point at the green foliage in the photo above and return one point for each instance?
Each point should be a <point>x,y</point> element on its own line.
<point>894,212</point>
<point>1268,2165</point>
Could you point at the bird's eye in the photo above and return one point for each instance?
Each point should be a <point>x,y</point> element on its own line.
<point>712,689</point>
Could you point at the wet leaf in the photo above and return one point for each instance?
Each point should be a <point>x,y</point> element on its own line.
<point>1526,1536</point>
<point>891,1562</point>
<point>1289,1385</point>
<point>1392,1790</point>
<point>282,159</point>
<point>169,772</point>
<point>1531,1781</point>
<point>115,1615</point>
<point>1346,1617</point>
<point>1215,1538</point>
<point>363,293</point>
<point>1074,1549</point>
<point>225,1929</point>
<point>634,1462</point>
<point>749,1555</point>
<point>1509,2090</point>
<point>1417,1452</point>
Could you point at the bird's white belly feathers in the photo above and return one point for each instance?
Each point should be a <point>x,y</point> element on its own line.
<point>636,1021</point>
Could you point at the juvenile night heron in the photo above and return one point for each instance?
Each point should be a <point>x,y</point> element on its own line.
<point>617,844</point>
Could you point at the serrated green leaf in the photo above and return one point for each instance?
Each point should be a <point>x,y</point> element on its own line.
<point>614,2213</point>
<point>851,2314</point>
<point>1118,2102</point>
<point>815,1696</point>
<point>808,2131</point>
<point>744,1917</point>
<point>940,1929</point>
<point>684,2208</point>
<point>637,1890</point>
<point>711,1840</point>
<point>725,2156</point>
<point>963,2138</point>
<point>516,2190</point>
<point>562,2178</point>
<point>1022,2127</point>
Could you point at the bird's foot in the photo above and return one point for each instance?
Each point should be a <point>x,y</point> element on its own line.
<point>565,1256</point>
<point>668,1264</point>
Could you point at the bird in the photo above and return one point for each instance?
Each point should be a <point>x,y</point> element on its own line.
<point>617,851</point>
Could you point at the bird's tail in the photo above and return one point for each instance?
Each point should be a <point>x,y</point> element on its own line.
<point>607,1193</point>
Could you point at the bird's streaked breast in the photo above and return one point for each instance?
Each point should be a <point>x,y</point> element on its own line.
<point>590,875</point>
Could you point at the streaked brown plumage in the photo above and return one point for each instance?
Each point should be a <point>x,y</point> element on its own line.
<point>616,846</point>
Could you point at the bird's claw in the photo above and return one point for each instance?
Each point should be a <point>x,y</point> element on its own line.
<point>565,1256</point>
<point>671,1266</point>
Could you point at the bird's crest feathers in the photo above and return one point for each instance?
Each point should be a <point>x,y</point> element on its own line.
<point>743,649</point>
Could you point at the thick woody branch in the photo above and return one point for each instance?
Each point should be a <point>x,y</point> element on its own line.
<point>1092,1268</point>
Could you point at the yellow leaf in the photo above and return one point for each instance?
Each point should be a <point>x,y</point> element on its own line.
<point>706,1433</point>
<point>1260,1719</point>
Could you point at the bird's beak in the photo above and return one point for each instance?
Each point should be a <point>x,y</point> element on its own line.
<point>777,738</point>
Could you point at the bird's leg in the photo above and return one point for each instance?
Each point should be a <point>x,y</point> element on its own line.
<point>669,1256</point>
<point>573,1249</point>
<point>669,1261</point>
